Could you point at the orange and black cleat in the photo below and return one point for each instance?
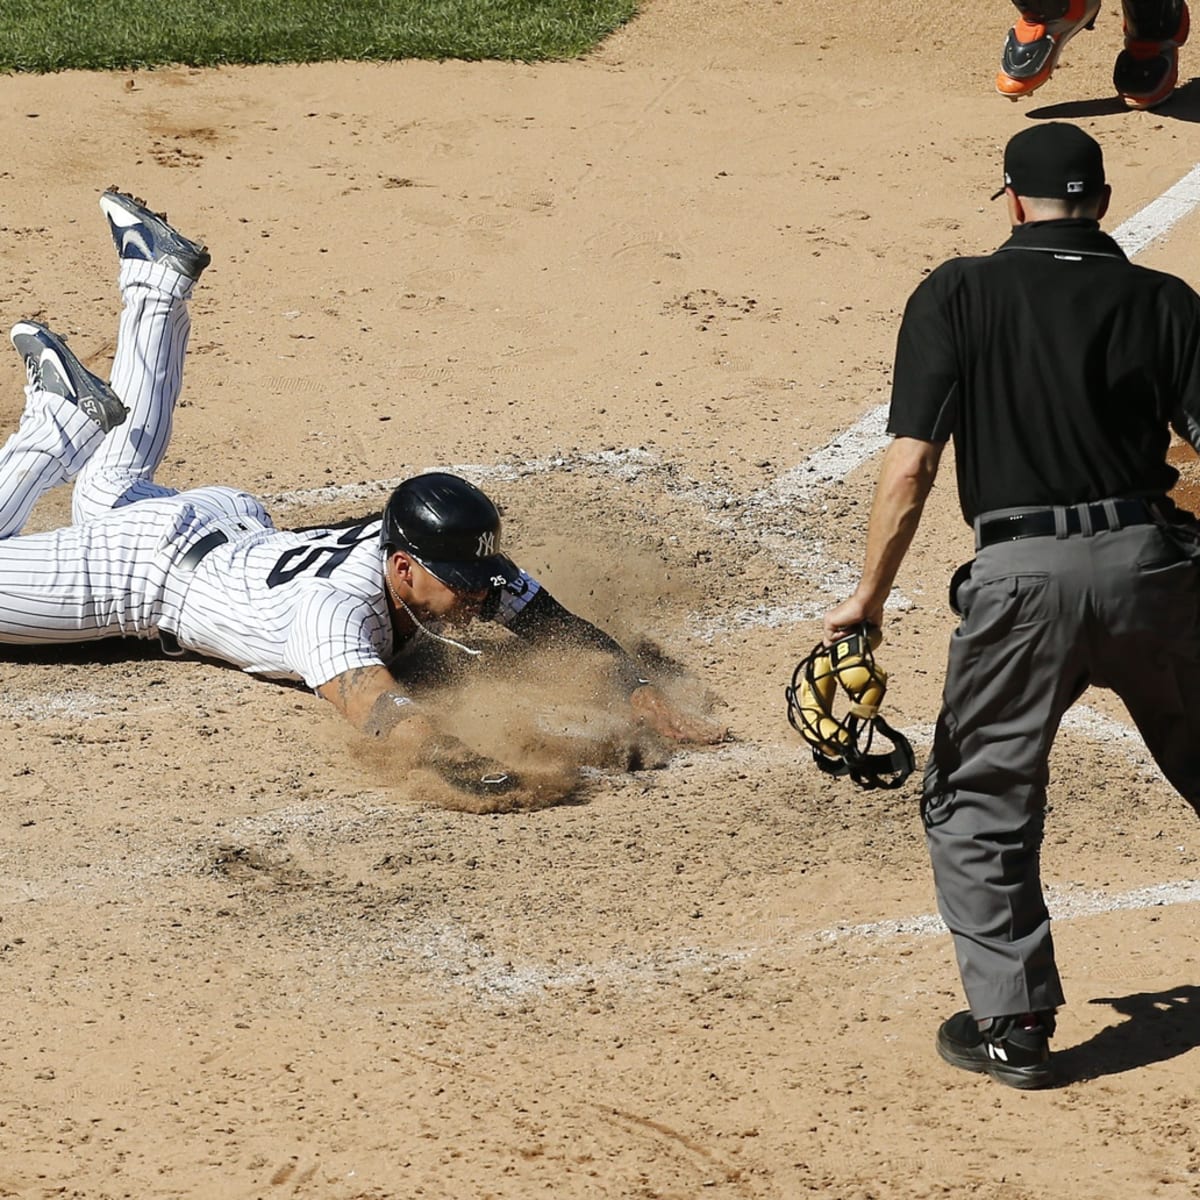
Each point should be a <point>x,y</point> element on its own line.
<point>1034,43</point>
<point>1148,68</point>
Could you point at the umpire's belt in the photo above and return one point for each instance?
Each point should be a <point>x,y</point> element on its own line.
<point>1066,521</point>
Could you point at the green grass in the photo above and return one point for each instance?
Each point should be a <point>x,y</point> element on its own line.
<point>55,35</point>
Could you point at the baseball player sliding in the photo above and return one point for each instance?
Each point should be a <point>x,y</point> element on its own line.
<point>207,571</point>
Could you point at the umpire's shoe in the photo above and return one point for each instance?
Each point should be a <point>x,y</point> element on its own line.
<point>141,234</point>
<point>1012,1050</point>
<point>51,367</point>
<point>1034,43</point>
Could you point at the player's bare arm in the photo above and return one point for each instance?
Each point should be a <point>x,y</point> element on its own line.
<point>906,476</point>
<point>370,698</point>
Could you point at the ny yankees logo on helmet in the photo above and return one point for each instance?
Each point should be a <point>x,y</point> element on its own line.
<point>451,528</point>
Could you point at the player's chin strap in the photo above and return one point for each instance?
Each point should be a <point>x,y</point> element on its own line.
<point>437,637</point>
<point>847,745</point>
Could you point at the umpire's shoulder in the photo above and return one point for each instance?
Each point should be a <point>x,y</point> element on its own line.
<point>1171,287</point>
<point>948,275</point>
<point>942,283</point>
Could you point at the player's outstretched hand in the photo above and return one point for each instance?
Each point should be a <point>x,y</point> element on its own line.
<point>654,710</point>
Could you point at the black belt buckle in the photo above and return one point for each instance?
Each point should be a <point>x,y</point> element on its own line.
<point>1041,522</point>
<point>1016,527</point>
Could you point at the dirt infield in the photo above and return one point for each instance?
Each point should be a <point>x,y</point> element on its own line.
<point>642,298</point>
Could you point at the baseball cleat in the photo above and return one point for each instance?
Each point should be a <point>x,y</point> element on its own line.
<point>1012,1050</point>
<point>1035,42</point>
<point>1147,70</point>
<point>142,234</point>
<point>51,367</point>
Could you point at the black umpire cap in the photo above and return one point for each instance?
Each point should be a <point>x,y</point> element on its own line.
<point>451,528</point>
<point>1053,161</point>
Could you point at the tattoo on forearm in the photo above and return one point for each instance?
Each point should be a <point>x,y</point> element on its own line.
<point>366,690</point>
<point>348,683</point>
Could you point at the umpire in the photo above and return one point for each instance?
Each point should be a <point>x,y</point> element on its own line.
<point>1059,369</point>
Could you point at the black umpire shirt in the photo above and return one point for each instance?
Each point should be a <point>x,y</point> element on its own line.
<point>1056,365</point>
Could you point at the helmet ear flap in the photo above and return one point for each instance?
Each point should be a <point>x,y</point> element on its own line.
<point>843,745</point>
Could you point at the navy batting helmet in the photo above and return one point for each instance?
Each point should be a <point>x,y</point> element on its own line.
<point>451,528</point>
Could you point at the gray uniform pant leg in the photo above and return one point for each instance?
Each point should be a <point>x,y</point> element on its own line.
<point>1014,668</point>
<point>1149,653</point>
<point>1043,618</point>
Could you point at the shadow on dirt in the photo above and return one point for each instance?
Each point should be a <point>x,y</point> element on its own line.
<point>107,650</point>
<point>1184,105</point>
<point>1161,1026</point>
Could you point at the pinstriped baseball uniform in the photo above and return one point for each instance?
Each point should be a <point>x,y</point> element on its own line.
<point>298,605</point>
<point>205,566</point>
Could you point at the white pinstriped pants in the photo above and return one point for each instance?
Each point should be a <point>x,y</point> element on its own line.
<point>55,442</point>
<point>107,573</point>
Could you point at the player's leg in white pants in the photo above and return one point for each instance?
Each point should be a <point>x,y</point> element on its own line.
<point>55,442</point>
<point>51,445</point>
<point>147,374</point>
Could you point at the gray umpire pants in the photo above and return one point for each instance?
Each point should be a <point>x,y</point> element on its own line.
<point>1043,618</point>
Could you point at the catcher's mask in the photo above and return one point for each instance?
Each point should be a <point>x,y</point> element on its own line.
<point>846,745</point>
<point>453,530</point>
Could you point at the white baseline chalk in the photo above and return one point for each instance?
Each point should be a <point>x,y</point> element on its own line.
<point>847,452</point>
<point>1065,904</point>
<point>833,463</point>
<point>626,464</point>
<point>461,959</point>
<point>1159,216</point>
